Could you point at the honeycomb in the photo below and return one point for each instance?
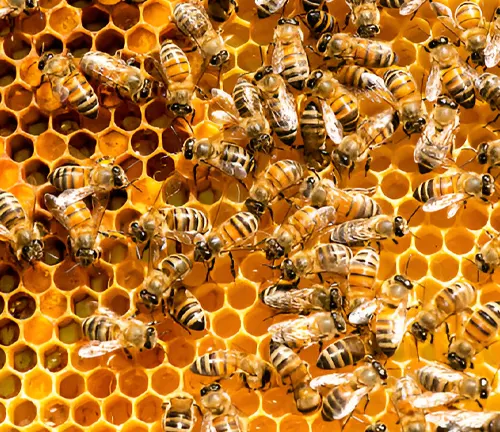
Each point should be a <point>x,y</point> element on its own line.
<point>44,384</point>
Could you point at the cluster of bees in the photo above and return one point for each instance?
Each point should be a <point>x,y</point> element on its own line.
<point>367,322</point>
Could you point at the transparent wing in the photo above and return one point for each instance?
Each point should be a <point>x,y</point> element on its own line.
<point>443,372</point>
<point>463,421</point>
<point>71,196</point>
<point>57,210</point>
<point>377,85</point>
<point>432,400</point>
<point>5,233</point>
<point>352,403</point>
<point>410,6</point>
<point>272,6</point>
<point>439,203</point>
<point>492,50</point>
<point>277,59</point>
<point>331,380</point>
<point>98,349</point>
<point>453,209</point>
<point>364,191</point>
<point>108,313</point>
<point>288,109</point>
<point>61,91</point>
<point>445,15</point>
<point>293,301</point>
<point>433,85</point>
<point>382,119</point>
<point>206,424</point>
<point>333,126</point>
<point>399,319</point>
<point>362,314</point>
<point>99,204</point>
<point>233,169</point>
<point>293,330</point>
<point>222,109</point>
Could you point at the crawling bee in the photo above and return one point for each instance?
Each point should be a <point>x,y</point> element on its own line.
<point>450,300</point>
<point>488,258</point>
<point>68,83</point>
<point>221,415</point>
<point>193,21</point>
<point>254,372</point>
<point>178,414</point>
<point>319,21</point>
<point>488,86</point>
<point>492,49</point>
<point>185,309</point>
<point>363,270</point>
<point>221,10</point>
<point>266,8</point>
<point>24,236</point>
<point>365,16</point>
<point>438,137</point>
<point>467,421</point>
<point>108,332</point>
<point>10,9</point>
<point>128,81</point>
<point>359,231</point>
<point>347,351</point>
<point>450,191</point>
<point>404,391</point>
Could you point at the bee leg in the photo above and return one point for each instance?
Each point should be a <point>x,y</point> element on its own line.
<point>320,277</point>
<point>163,307</point>
<point>127,353</point>
<point>210,268</point>
<point>233,271</point>
<point>368,164</point>
<point>236,6</point>
<point>195,169</point>
<point>492,121</point>
<point>346,22</point>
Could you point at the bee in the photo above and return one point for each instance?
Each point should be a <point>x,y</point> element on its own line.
<point>303,300</point>
<point>391,4</point>
<point>24,236</point>
<point>255,373</point>
<point>221,415</point>
<point>289,55</point>
<point>128,81</point>
<point>320,21</point>
<point>108,332</point>
<point>185,309</point>
<point>277,178</point>
<point>311,5</point>
<point>411,108</point>
<point>376,427</point>
<point>488,259</point>
<point>70,86</point>
<point>448,69</point>
<point>345,391</point>
<point>492,49</point>
<point>348,351</point>
<point>480,331</point>
<point>221,10</point>
<point>488,85</point>
<point>450,300</point>
<point>178,414</point>
<point>365,16</point>
<point>304,331</point>
<point>406,7</point>
<point>289,365</point>
<point>411,419</point>
<point>452,190</point>
<point>81,224</point>
<point>355,50</point>
<point>279,104</point>
<point>363,270</point>
<point>297,229</point>
<point>465,421</point>
<point>238,229</point>
<point>10,9</point>
<point>266,8</point>
<point>349,204</point>
<point>193,21</point>
<point>322,258</point>
<point>359,231</point>
<point>343,103</point>
<point>438,137</point>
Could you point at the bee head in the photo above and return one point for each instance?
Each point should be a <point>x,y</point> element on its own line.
<point>263,143</point>
<point>42,62</point>
<point>418,332</point>
<point>137,232</point>
<point>31,4</point>
<point>482,264</point>
<point>219,59</point>
<point>262,72</point>
<point>255,207</point>
<point>202,252</point>
<point>368,31</point>
<point>477,57</point>
<point>323,42</point>
<point>400,279</point>
<point>120,179</point>
<point>215,387</point>
<point>434,43</point>
<point>273,250</point>
<point>188,148</point>
<point>335,299</point>
<point>146,90</point>
<point>86,257</point>
<point>414,126</point>
<point>377,427</point>
<point>456,362</point>
<point>339,321</point>
<point>497,12</point>
<point>482,153</point>
<point>180,110</point>
<point>288,270</point>
<point>150,338</point>
<point>400,227</point>
<point>148,298</point>
<point>487,185</point>
<point>446,101</point>
<point>32,251</point>
<point>290,21</point>
<point>382,373</point>
<point>484,388</point>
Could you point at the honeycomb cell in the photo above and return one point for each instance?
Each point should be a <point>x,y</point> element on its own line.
<point>241,295</point>
<point>141,40</point>
<point>55,358</point>
<point>37,330</point>
<point>444,267</point>
<point>150,359</point>
<point>180,352</point>
<point>149,409</point>
<point>69,331</point>
<point>21,306</point>
<point>3,358</point>
<point>129,275</point>
<point>16,46</point>
<point>9,279</point>
<point>78,43</point>
<point>9,332</point>
<point>173,138</point>
<point>94,19</point>
<point>7,73</point>
<point>33,23</point>
<point>37,384</point>
<point>133,383</point>
<point>19,148</point>
<point>83,304</point>
<point>474,216</point>
<point>165,380</point>
<point>64,20</point>
<point>160,166</point>
<point>10,386</point>
<point>66,123</point>
<point>50,146</point>
<point>3,413</point>
<point>113,143</point>
<point>71,386</point>
<point>34,122</point>
<point>55,413</point>
<point>82,145</point>
<point>262,424</point>
<point>48,43</point>
<point>101,383</point>
<point>117,410</point>
<point>144,142</point>
<point>116,300</point>
<point>295,423</point>
<point>125,16</point>
<point>68,277</point>
<point>35,172</point>
<point>9,177</point>
<point>8,123</point>
<point>24,413</point>
<point>226,323</point>
<point>17,97</point>
<point>127,116</point>
<point>254,320</point>
<point>395,185</point>
<point>24,359</point>
<point>87,413</point>
<point>54,251</point>
<point>109,41</point>
<point>114,251</point>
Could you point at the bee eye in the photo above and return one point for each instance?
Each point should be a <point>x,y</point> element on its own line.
<point>204,391</point>
<point>134,225</point>
<point>433,44</point>
<point>443,40</point>
<point>115,170</point>
<point>215,387</point>
<point>94,254</point>
<point>281,21</point>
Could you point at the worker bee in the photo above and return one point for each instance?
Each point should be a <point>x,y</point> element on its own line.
<point>289,55</point>
<point>185,309</point>
<point>279,103</point>
<point>322,258</point>
<point>488,259</point>
<point>411,419</point>
<point>356,50</point>
<point>450,191</point>
<point>480,331</point>
<point>448,69</point>
<point>13,8</point>
<point>290,366</point>
<point>287,299</point>
<point>128,81</point>
<point>304,331</point>
<point>108,332</point>
<point>297,229</point>
<point>320,21</point>
<point>492,49</point>
<point>255,373</point>
<point>411,108</point>
<point>406,7</point>
<point>465,421</point>
<point>193,21</point>
<point>348,351</point>
<point>365,16</point>
<point>488,86</point>
<point>359,231</point>
<point>376,427</point>
<point>24,236</point>
<point>277,178</point>
<point>346,390</point>
<point>221,10</point>
<point>363,270</point>
<point>438,137</point>
<point>70,86</point>
<point>178,414</point>
<point>221,415</point>
<point>450,300</point>
<point>266,8</point>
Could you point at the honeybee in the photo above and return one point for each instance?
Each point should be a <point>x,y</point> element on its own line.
<point>359,231</point>
<point>192,20</point>
<point>266,8</point>
<point>277,178</point>
<point>221,10</point>
<point>452,190</point>
<point>406,7</point>
<point>465,421</point>
<point>376,427</point>
<point>128,81</point>
<point>492,49</point>
<point>297,229</point>
<point>488,259</point>
<point>255,373</point>
<point>438,137</point>
<point>349,203</point>
<point>229,158</point>
<point>363,270</point>
<point>108,332</point>
<point>185,309</point>
<point>24,236</point>
<point>346,390</point>
<point>289,365</point>
<point>13,8</point>
<point>448,69</point>
<point>480,331</point>
<point>322,258</point>
<point>488,86</point>
<point>365,16</point>
<point>450,300</point>
<point>355,50</point>
<point>280,104</point>
<point>221,415</point>
<point>411,108</point>
<point>66,81</point>
<point>411,419</point>
<point>348,351</point>
<point>304,331</point>
<point>303,300</point>
<point>178,414</point>
<point>320,21</point>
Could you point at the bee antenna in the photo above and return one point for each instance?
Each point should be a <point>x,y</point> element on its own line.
<point>414,235</point>
<point>413,214</point>
<point>132,165</point>
<point>72,268</point>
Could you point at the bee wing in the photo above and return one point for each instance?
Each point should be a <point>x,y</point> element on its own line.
<point>331,380</point>
<point>277,59</point>
<point>56,208</point>
<point>96,349</point>
<point>352,403</point>
<point>364,191</point>
<point>445,15</point>
<point>362,314</point>
<point>206,424</point>
<point>461,420</point>
<point>444,372</point>
<point>410,6</point>
<point>433,85</point>
<point>377,87</point>
<point>439,203</point>
<point>99,204</point>
<point>5,12</point>
<point>108,313</point>
<point>271,6</point>
<point>431,400</point>
<point>227,112</point>
<point>492,50</point>
<point>5,233</point>
<point>288,111</point>
<point>71,196</point>
<point>332,125</point>
<point>399,318</point>
<point>232,169</point>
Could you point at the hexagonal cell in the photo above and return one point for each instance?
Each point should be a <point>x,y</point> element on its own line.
<point>69,331</point>
<point>7,73</point>
<point>9,279</point>
<point>17,46</point>
<point>99,278</point>
<point>94,19</point>
<point>68,277</point>
<point>37,384</point>
<point>35,172</point>
<point>156,115</point>
<point>165,380</point>
<point>19,148</point>
<point>82,145</point>
<point>141,40</point>
<point>125,16</point>
<point>87,412</point>
<point>36,279</point>
<point>109,41</point>
<point>71,386</point>
<point>117,410</point>
<point>54,251</point>
<point>24,358</point>
<point>48,43</point>
<point>34,122</point>
<point>151,359</point>
<point>130,274</point>
<point>181,352</point>
<point>24,413</point>
<point>18,97</point>
<point>149,409</point>
<point>144,142</point>
<point>114,144</point>
<point>37,330</point>
<point>127,116</point>
<point>9,332</point>
<point>54,413</point>
<point>50,146</point>
<point>160,166</point>
<point>79,43</point>
<point>116,300</point>
<point>83,304</point>
<point>10,386</point>
<point>55,358</point>
<point>21,305</point>
<point>226,323</point>
<point>66,123</point>
<point>8,123</point>
<point>133,382</point>
<point>101,383</point>
<point>133,168</point>
<point>114,250</point>
<point>241,295</point>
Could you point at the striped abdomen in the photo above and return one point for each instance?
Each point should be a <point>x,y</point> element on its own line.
<point>185,219</point>
<point>373,54</point>
<point>221,363</point>
<point>235,154</point>
<point>226,423</point>
<point>454,299</point>
<point>459,85</point>
<point>175,421</point>
<point>468,15</point>
<point>320,22</point>
<point>392,4</point>
<point>176,266</point>
<point>285,361</point>
<point>335,402</point>
<point>296,65</point>
<point>489,89</point>
<point>343,352</point>
<point>428,378</point>
<point>483,325</point>
<point>387,330</point>
<point>237,229</point>
<point>12,215</point>
<point>100,328</point>
<point>246,98</point>
<point>345,107</point>
<point>175,63</point>
<point>363,274</point>
<point>280,176</point>
<point>80,94</point>
<point>185,308</point>
<point>299,226</point>
<point>70,177</point>
<point>278,118</point>
<point>402,86</point>
<point>312,127</point>
<point>77,216</point>
<point>436,187</point>
<point>352,205</point>
<point>268,7</point>
<point>191,20</point>
<point>331,257</point>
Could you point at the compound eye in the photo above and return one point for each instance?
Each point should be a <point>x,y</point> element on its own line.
<point>282,21</point>
<point>433,44</point>
<point>25,250</point>
<point>115,170</point>
<point>38,243</point>
<point>94,254</point>
<point>204,391</point>
<point>443,40</point>
<point>215,387</point>
<point>134,225</point>
<point>150,331</point>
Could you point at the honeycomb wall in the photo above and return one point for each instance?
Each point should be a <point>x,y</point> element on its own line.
<point>44,385</point>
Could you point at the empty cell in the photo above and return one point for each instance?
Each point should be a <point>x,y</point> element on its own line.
<point>125,16</point>
<point>395,185</point>
<point>8,123</point>
<point>94,19</point>
<point>78,44</point>
<point>84,304</point>
<point>381,159</point>
<point>127,116</point>
<point>241,295</point>
<point>117,199</point>
<point>17,46</point>
<point>156,114</point>
<point>133,382</point>
<point>475,215</point>
<point>35,172</point>
<point>48,43</point>
<point>67,122</point>
<point>9,332</point>
<point>3,413</point>
<point>295,423</point>
<point>254,320</point>
<point>210,296</point>
<point>114,251</point>
<point>132,167</point>
<point>109,41</point>
<point>68,277</point>
<point>54,251</point>
<point>149,409</point>
<point>141,40</point>
<point>117,410</point>
<point>87,413</point>
<point>69,331</point>
<point>130,274</point>
<point>37,330</point>
<point>116,300</point>
<point>459,240</point>
<point>144,142</point>
<point>226,323</point>
<point>19,148</point>
<point>17,97</point>
<point>55,358</point>
<point>82,145</point>
<point>71,386</point>
<point>32,23</point>
<point>9,279</point>
<point>37,385</point>
<point>151,359</point>
<point>101,383</point>
<point>7,73</point>
<point>113,144</point>
<point>413,266</point>
<point>262,424</point>
<point>53,303</point>
<point>49,146</point>
<point>181,352</point>
<point>277,402</point>
<point>36,279</point>
<point>444,267</point>
<point>428,240</point>
<point>54,413</point>
<point>255,268</point>
<point>24,413</point>
<point>165,380</point>
<point>249,58</point>
<point>34,122</point>
<point>405,51</point>
<point>24,359</point>
<point>209,344</point>
<point>10,386</point>
<point>21,305</point>
<point>64,20</point>
<point>160,166</point>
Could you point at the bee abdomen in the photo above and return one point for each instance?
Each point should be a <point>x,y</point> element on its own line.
<point>344,352</point>
<point>11,212</point>
<point>459,85</point>
<point>190,20</point>
<point>68,177</point>
<point>82,95</point>
<point>175,62</point>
